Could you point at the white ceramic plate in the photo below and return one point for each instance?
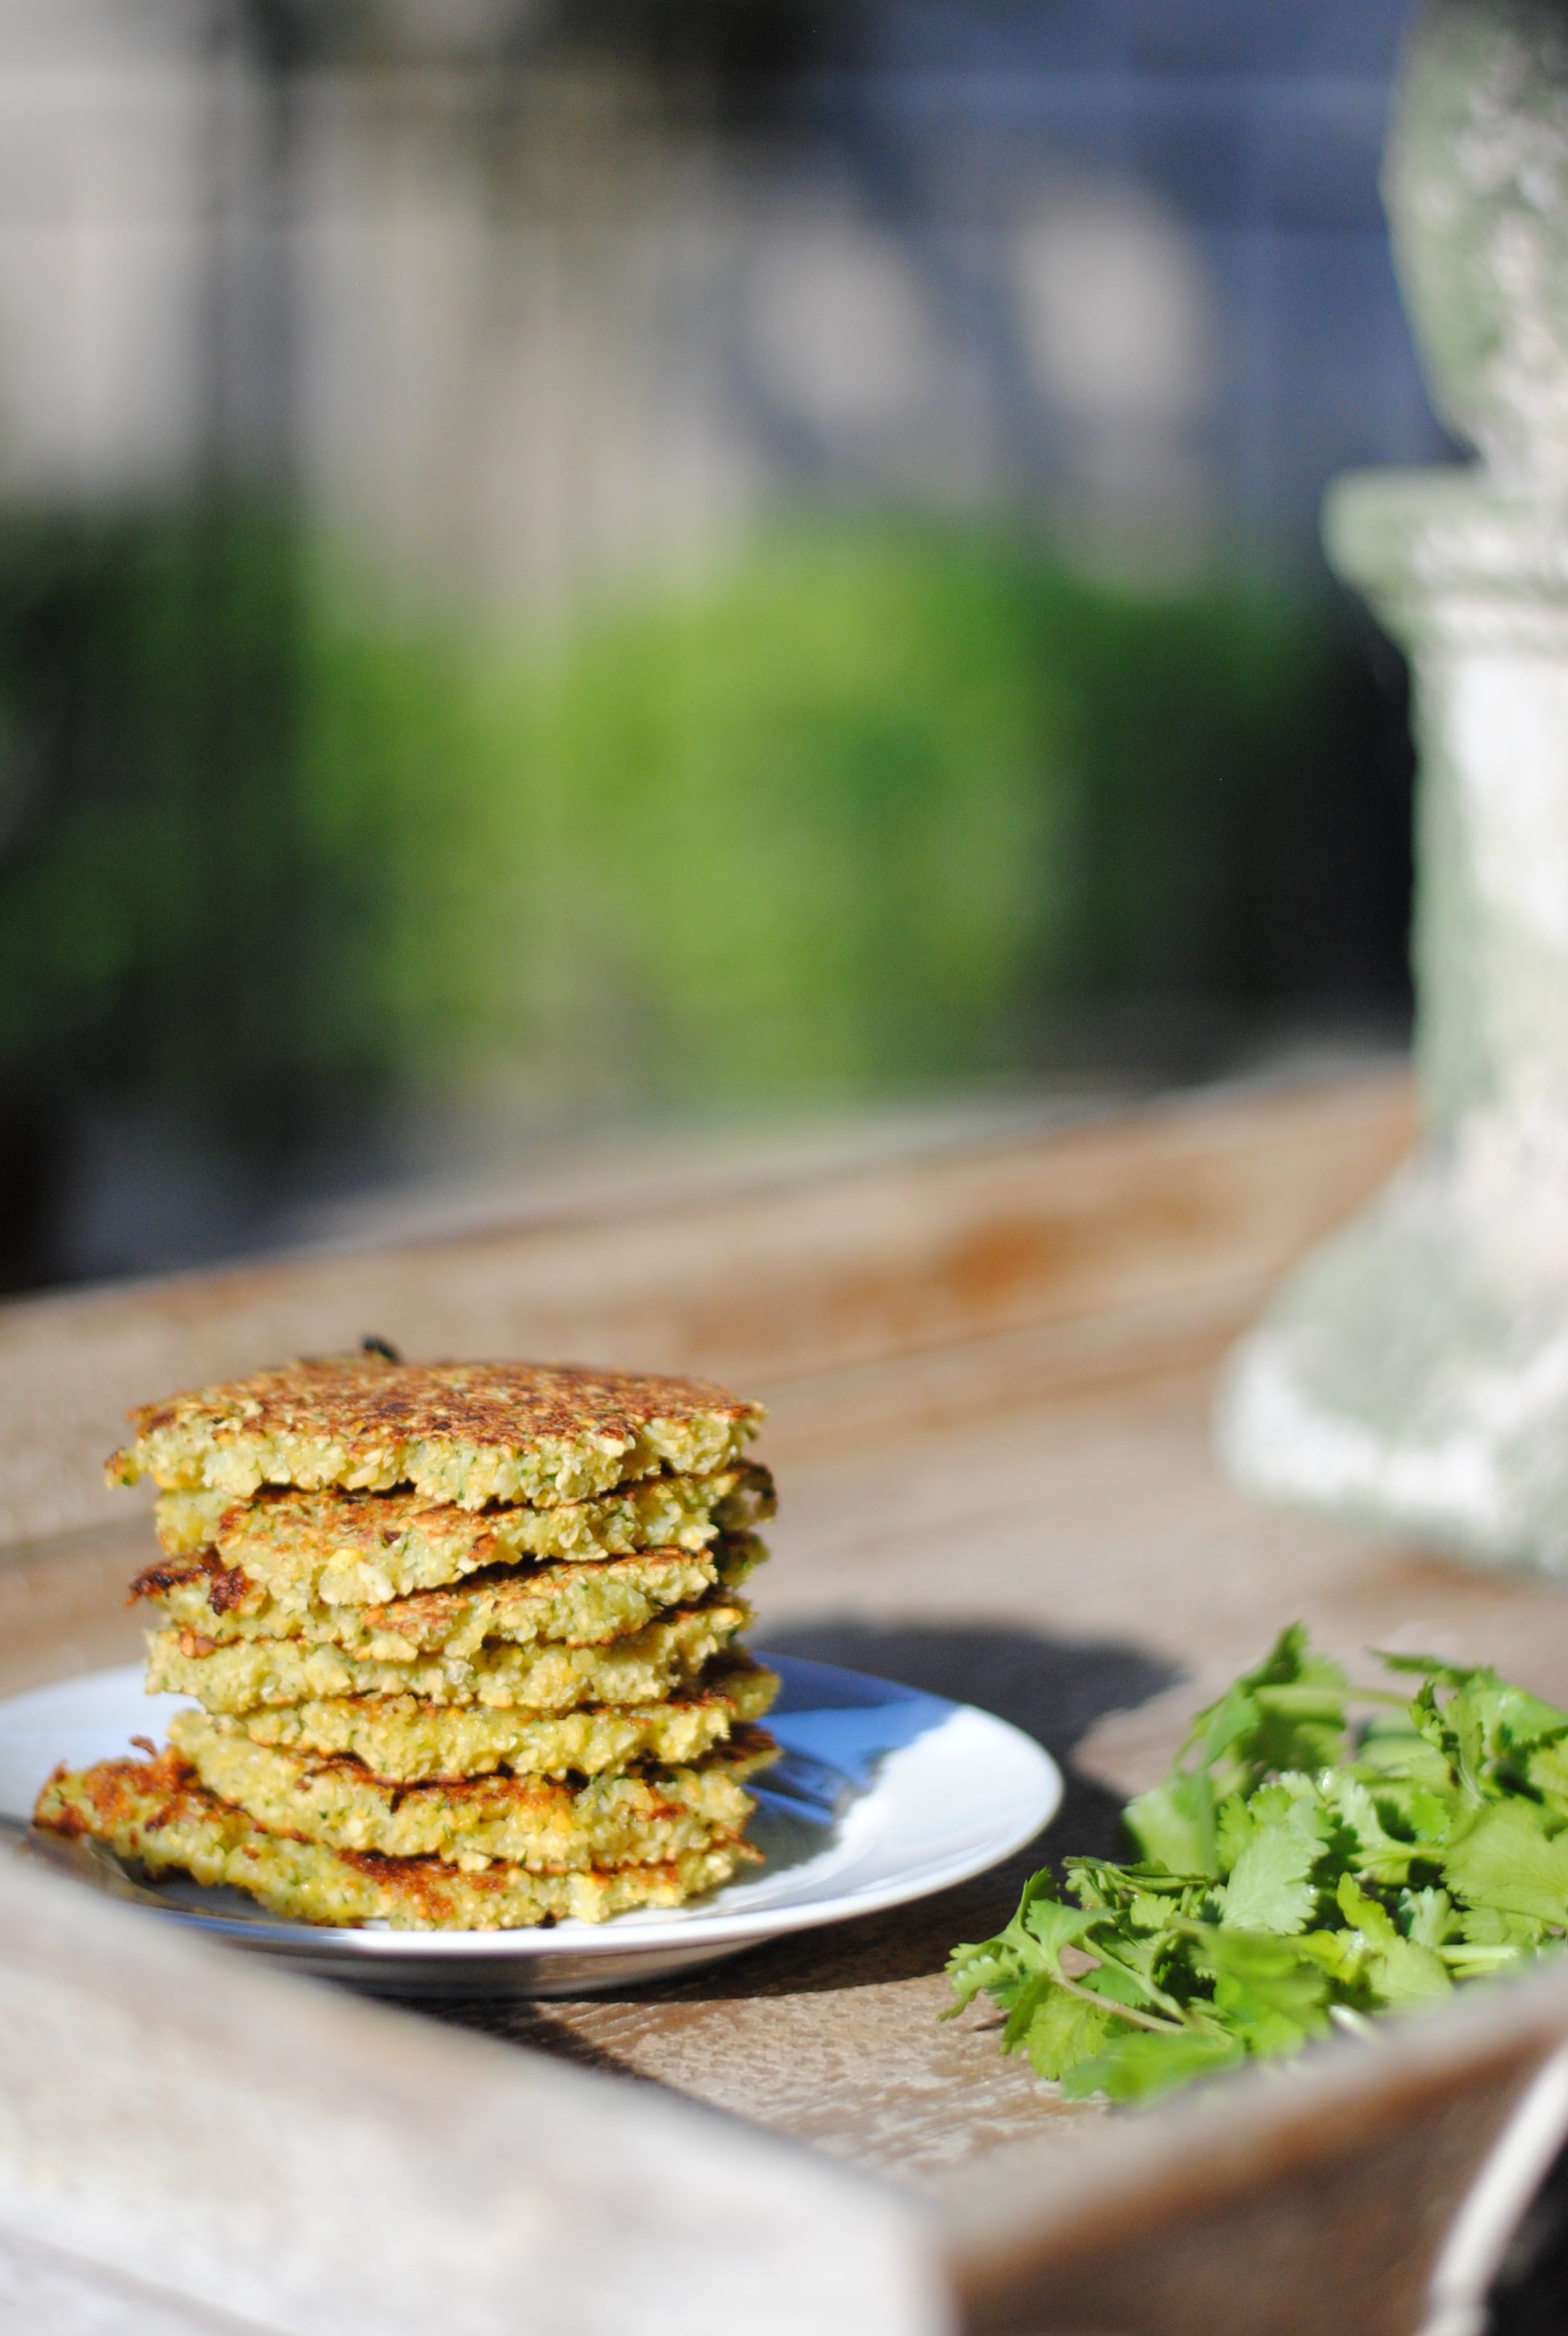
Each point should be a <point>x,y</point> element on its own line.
<point>884,1794</point>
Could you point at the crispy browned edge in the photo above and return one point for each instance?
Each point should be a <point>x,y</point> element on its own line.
<point>362,1398</point>
<point>157,1790</point>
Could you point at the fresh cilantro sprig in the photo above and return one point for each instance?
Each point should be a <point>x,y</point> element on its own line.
<point>1296,1872</point>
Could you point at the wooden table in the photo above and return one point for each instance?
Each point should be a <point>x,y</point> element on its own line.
<point>990,1373</point>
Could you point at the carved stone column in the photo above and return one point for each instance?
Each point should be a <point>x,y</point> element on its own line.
<point>1413,1376</point>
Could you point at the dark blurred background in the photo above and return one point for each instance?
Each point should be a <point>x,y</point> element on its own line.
<point>570,566</point>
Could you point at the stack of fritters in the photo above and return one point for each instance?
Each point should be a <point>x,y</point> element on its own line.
<point>461,1635</point>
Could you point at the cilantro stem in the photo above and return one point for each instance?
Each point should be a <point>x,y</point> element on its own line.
<point>1354,2023</point>
<point>1120,2010</point>
<point>1139,1978</point>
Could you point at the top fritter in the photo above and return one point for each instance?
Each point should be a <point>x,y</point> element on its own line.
<point>463,1433</point>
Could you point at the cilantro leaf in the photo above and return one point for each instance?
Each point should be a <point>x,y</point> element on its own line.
<point>1547,1768</point>
<point>1136,2067</point>
<point>1173,1824</point>
<point>1377,1853</point>
<point>1508,1861</point>
<point>1268,1889</point>
<point>1394,1969</point>
<point>1054,1926</point>
<point>1270,1995</point>
<point>1063,2031</point>
<point>1428,1916</point>
<point>1288,1712</point>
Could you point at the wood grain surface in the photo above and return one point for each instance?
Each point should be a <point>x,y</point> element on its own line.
<point>989,1375</point>
<point>991,1259</point>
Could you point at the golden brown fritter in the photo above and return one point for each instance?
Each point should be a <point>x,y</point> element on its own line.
<point>157,1813</point>
<point>359,1549</point>
<point>410,1742</point>
<point>250,1673</point>
<point>466,1432</point>
<point>581,1605</point>
<point>550,1827</point>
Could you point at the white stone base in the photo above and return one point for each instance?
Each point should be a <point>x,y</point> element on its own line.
<point>1412,1376</point>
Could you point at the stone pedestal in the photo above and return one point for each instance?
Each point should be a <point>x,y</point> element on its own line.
<point>1413,1376</point>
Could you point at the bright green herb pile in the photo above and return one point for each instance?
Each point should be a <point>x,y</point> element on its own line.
<point>1297,1871</point>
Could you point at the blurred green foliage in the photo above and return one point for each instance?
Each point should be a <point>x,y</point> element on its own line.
<point>855,812</point>
<point>221,796</point>
<point>805,823</point>
<point>869,807</point>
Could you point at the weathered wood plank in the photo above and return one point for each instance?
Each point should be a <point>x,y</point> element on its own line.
<point>187,2140</point>
<point>765,1284</point>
